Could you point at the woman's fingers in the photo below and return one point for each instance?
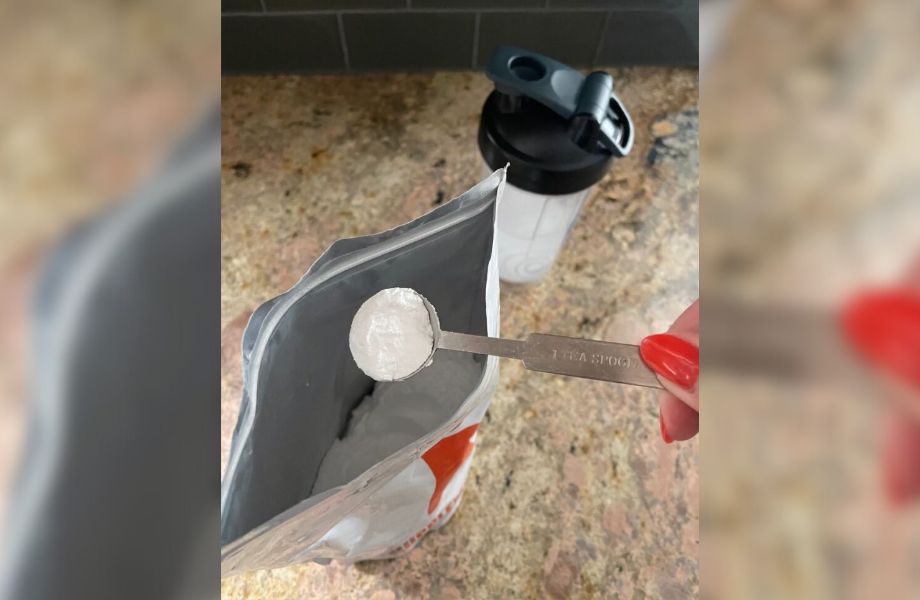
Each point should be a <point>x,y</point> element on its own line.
<point>901,457</point>
<point>687,325</point>
<point>676,361</point>
<point>884,327</point>
<point>678,421</point>
<point>675,358</point>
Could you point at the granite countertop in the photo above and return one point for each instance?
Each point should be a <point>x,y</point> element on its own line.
<point>572,493</point>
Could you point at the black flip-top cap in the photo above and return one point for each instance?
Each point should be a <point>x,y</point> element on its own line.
<point>558,130</point>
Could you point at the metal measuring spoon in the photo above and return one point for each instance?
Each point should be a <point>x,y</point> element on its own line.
<point>575,357</point>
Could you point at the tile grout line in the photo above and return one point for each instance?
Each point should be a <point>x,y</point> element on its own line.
<point>600,41</point>
<point>476,39</point>
<point>341,24</point>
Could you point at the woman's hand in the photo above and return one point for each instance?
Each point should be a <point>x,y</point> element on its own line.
<point>674,356</point>
<point>884,328</point>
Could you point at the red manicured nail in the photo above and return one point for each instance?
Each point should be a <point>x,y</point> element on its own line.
<point>674,359</point>
<point>884,327</point>
<point>664,430</point>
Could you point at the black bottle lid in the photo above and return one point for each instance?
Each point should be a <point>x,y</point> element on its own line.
<point>558,129</point>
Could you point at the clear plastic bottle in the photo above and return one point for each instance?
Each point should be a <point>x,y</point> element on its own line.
<point>532,228</point>
<point>559,133</point>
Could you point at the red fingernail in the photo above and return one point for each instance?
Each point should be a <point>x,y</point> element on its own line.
<point>664,430</point>
<point>885,328</point>
<point>674,359</point>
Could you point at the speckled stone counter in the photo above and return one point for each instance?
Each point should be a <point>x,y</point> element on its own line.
<point>572,493</point>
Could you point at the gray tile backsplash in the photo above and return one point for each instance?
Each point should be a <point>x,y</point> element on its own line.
<point>569,37</point>
<point>281,44</point>
<point>409,41</point>
<point>293,5</point>
<point>478,3</point>
<point>623,4</point>
<point>241,5</point>
<point>409,35</point>
<point>647,38</point>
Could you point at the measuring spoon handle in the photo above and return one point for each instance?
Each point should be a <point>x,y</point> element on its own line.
<point>589,359</point>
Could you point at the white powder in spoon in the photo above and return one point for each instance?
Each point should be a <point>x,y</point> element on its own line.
<point>391,335</point>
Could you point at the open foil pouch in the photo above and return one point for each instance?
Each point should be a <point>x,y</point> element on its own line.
<point>301,385</point>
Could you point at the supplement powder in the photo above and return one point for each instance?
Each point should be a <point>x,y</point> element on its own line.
<point>397,414</point>
<point>391,336</point>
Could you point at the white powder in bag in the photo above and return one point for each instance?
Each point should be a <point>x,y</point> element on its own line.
<point>397,414</point>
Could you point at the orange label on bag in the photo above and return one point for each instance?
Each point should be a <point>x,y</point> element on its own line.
<point>445,457</point>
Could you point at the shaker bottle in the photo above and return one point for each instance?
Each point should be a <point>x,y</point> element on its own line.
<point>559,132</point>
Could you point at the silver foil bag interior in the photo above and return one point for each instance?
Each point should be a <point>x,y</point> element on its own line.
<point>301,383</point>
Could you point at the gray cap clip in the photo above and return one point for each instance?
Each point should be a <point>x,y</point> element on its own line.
<point>597,118</point>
